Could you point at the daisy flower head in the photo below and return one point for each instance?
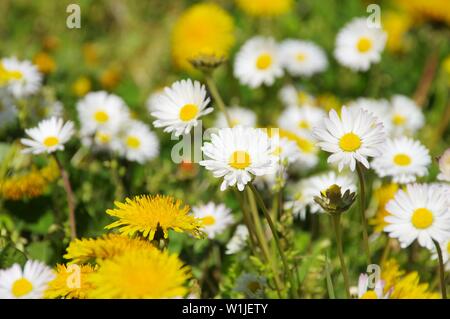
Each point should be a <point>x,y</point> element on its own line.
<point>238,241</point>
<point>419,212</point>
<point>27,283</point>
<point>258,62</point>
<point>377,107</point>
<point>179,108</point>
<point>49,136</point>
<point>152,100</point>
<point>138,143</point>
<point>364,292</point>
<point>285,150</point>
<point>351,138</point>
<point>301,119</point>
<point>290,96</point>
<point>306,145</point>
<point>101,111</point>
<point>403,159</point>
<point>147,214</point>
<point>251,285</point>
<point>21,78</point>
<point>444,166</point>
<point>302,58</point>
<point>358,45</point>
<point>237,154</point>
<point>238,116</point>
<point>405,116</point>
<point>215,218</point>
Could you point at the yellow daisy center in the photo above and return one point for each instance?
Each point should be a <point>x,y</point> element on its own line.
<point>188,112</point>
<point>304,124</point>
<point>133,142</point>
<point>240,159</point>
<point>51,141</point>
<point>103,137</point>
<point>364,44</point>
<point>101,116</point>
<point>234,122</point>
<point>398,119</point>
<point>21,287</point>
<point>350,142</point>
<point>422,218</point>
<point>264,61</point>
<point>302,97</point>
<point>253,286</point>
<point>209,220</point>
<point>369,294</point>
<point>301,57</point>
<point>402,159</point>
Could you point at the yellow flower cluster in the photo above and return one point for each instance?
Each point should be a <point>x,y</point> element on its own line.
<point>71,282</point>
<point>265,8</point>
<point>435,10</point>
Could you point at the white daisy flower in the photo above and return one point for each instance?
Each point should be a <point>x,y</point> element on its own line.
<point>285,150</point>
<point>8,111</point>
<point>445,249</point>
<point>238,115</point>
<point>309,152</point>
<point>291,96</point>
<point>444,166</point>
<point>419,213</point>
<point>352,137</point>
<point>258,62</point>
<point>49,136</point>
<point>101,111</point>
<point>137,143</point>
<point>180,107</point>
<point>237,154</point>
<point>364,292</point>
<point>29,283</point>
<point>152,100</point>
<point>21,78</point>
<point>251,285</point>
<point>378,108</point>
<point>405,116</point>
<point>302,58</point>
<point>238,241</point>
<point>308,188</point>
<point>301,119</point>
<point>216,218</point>
<point>403,159</point>
<point>358,45</point>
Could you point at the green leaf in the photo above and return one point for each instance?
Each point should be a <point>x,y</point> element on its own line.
<point>40,250</point>
<point>10,255</point>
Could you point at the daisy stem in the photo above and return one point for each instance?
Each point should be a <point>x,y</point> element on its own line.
<point>276,238</point>
<point>336,220</point>
<point>441,269</point>
<point>216,96</point>
<point>70,197</point>
<point>362,208</point>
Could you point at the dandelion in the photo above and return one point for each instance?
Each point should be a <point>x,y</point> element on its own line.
<point>147,214</point>
<point>302,58</point>
<point>258,62</point>
<point>251,285</point>
<point>66,286</point>
<point>21,78</point>
<point>238,116</point>
<point>27,283</point>
<point>81,86</point>
<point>44,63</point>
<point>238,241</point>
<point>215,218</point>
<point>265,8</point>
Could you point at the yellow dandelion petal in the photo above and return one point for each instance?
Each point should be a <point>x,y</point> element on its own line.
<point>70,282</point>
<point>146,214</point>
<point>382,195</point>
<point>265,8</point>
<point>44,62</point>
<point>140,274</point>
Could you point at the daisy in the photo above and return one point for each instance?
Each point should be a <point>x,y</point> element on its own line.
<point>21,78</point>
<point>419,213</point>
<point>49,136</point>
<point>138,143</point>
<point>179,108</point>
<point>215,218</point>
<point>258,62</point>
<point>8,111</point>
<point>301,119</point>
<point>251,285</point>
<point>238,116</point>
<point>352,137</point>
<point>285,150</point>
<point>291,96</point>
<point>29,283</point>
<point>403,159</point>
<point>238,241</point>
<point>378,108</point>
<point>238,153</point>
<point>101,111</point>
<point>152,100</point>
<point>302,58</point>
<point>405,116</point>
<point>444,166</point>
<point>365,293</point>
<point>306,145</point>
<point>358,45</point>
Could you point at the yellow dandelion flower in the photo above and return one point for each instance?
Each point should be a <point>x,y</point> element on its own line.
<point>404,286</point>
<point>146,214</point>
<point>265,8</point>
<point>204,29</point>
<point>88,249</point>
<point>70,282</point>
<point>396,25</point>
<point>382,195</point>
<point>434,10</point>
<point>140,274</point>
<point>81,86</point>
<point>44,62</point>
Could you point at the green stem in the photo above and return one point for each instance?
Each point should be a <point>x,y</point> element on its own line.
<point>276,238</point>
<point>216,96</point>
<point>362,209</point>
<point>441,270</point>
<point>337,230</point>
